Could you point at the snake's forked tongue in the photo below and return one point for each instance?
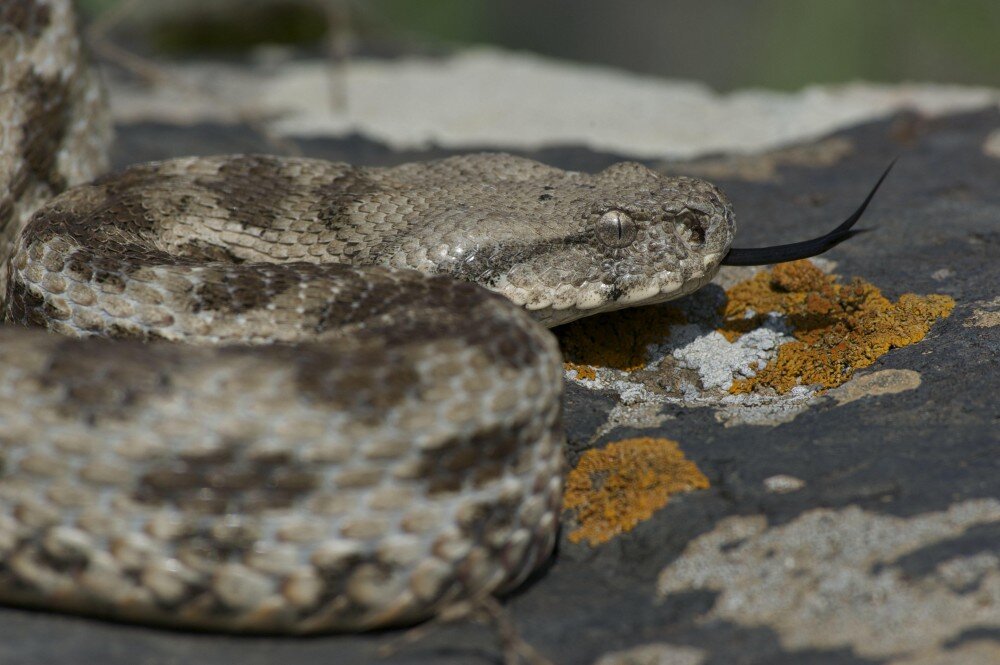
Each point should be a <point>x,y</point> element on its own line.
<point>803,250</point>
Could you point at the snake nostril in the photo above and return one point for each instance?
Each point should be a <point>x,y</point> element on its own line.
<point>691,226</point>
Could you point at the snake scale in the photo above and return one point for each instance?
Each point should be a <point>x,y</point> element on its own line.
<point>362,425</point>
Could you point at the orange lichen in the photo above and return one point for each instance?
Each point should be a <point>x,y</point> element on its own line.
<point>614,488</point>
<point>583,372</point>
<point>616,339</point>
<point>838,328</point>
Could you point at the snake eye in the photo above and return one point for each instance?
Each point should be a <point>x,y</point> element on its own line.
<point>616,229</point>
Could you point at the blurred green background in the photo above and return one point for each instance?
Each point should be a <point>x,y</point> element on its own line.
<point>728,44</point>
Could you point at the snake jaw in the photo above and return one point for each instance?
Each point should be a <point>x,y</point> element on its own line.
<point>600,297</point>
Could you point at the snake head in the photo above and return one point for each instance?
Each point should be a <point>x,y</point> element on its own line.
<point>566,245</point>
<point>624,237</point>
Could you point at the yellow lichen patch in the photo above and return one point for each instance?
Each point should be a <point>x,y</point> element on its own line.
<point>616,339</point>
<point>583,372</point>
<point>838,328</point>
<point>614,488</point>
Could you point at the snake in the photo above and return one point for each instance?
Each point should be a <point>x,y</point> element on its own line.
<point>287,395</point>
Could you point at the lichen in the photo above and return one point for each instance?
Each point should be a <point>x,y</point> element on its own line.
<point>619,340</point>
<point>614,488</point>
<point>838,328</point>
<point>583,372</point>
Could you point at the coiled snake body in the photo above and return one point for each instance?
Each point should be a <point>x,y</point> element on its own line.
<point>362,425</point>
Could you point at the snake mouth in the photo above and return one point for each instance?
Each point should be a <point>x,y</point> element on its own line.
<point>597,298</point>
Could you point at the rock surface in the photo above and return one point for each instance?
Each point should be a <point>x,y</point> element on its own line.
<point>517,101</point>
<point>865,529</point>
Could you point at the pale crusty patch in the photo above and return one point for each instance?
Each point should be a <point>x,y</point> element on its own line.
<point>991,146</point>
<point>986,316</point>
<point>883,382</point>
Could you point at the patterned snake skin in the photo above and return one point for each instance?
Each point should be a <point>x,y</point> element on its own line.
<point>354,429</point>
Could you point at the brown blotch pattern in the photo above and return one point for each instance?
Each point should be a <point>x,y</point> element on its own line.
<point>23,305</point>
<point>466,312</point>
<point>198,250</point>
<point>106,272</point>
<point>484,457</point>
<point>227,481</point>
<point>114,229</point>
<point>363,383</point>
<point>29,17</point>
<point>248,188</point>
<point>234,292</point>
<point>48,119</point>
<point>408,308</point>
<point>109,380</point>
<point>482,519</point>
<point>344,194</point>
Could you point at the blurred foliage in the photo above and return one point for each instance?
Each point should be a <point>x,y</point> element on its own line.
<point>216,26</point>
<point>212,32</point>
<point>456,21</point>
<point>728,44</point>
<point>95,7</point>
<point>881,40</point>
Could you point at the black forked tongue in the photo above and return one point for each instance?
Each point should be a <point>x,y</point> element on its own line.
<point>803,250</point>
